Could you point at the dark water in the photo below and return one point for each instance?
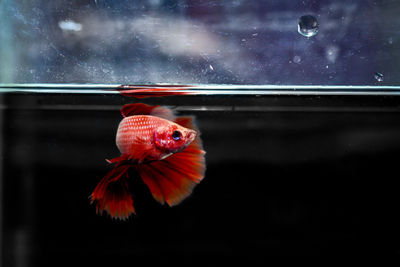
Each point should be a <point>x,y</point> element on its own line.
<point>289,178</point>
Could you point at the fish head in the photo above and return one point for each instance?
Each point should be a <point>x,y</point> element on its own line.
<point>173,138</point>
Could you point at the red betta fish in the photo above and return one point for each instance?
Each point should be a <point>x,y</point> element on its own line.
<point>165,150</point>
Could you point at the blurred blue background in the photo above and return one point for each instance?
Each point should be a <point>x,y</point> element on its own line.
<point>193,41</point>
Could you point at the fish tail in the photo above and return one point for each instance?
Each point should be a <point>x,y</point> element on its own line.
<point>173,179</point>
<point>112,193</point>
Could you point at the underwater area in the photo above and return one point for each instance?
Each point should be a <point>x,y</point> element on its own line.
<point>297,105</point>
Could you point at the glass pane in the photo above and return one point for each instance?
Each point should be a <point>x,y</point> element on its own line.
<point>199,42</point>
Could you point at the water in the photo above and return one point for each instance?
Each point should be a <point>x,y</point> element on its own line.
<point>309,172</point>
<point>308,26</point>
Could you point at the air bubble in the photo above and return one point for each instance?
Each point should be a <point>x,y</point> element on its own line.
<point>378,76</point>
<point>297,59</point>
<point>332,53</point>
<point>308,26</point>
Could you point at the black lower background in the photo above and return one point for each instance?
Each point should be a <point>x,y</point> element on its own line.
<point>288,186</point>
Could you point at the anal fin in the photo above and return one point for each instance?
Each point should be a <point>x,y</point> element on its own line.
<point>173,179</point>
<point>112,194</point>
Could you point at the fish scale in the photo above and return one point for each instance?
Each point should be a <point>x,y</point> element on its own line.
<point>136,129</point>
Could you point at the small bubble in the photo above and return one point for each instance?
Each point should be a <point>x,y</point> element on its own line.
<point>332,53</point>
<point>296,59</point>
<point>308,26</point>
<point>378,76</point>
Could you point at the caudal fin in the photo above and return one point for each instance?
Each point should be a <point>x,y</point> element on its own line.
<point>172,179</point>
<point>112,194</point>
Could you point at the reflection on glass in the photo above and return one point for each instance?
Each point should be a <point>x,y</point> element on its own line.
<point>198,42</point>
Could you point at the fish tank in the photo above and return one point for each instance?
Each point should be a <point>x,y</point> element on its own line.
<point>297,120</point>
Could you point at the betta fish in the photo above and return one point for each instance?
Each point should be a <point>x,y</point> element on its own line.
<point>165,151</point>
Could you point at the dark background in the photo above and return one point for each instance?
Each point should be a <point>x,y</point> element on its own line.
<point>289,178</point>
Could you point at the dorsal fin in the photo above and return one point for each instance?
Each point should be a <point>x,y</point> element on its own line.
<point>144,109</point>
<point>136,109</point>
<point>187,122</point>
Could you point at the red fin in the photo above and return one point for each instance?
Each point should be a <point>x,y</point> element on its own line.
<point>118,159</point>
<point>187,122</point>
<point>172,180</point>
<point>143,91</point>
<point>143,109</point>
<point>112,194</point>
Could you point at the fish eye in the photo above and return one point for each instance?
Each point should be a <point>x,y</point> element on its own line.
<point>176,135</point>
